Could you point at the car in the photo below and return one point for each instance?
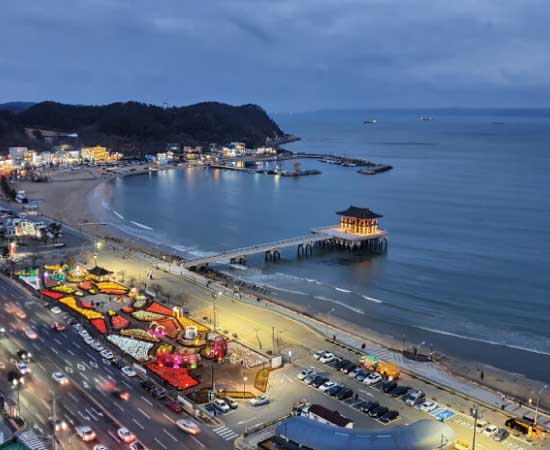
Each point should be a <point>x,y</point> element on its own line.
<point>128,371</point>
<point>147,385</point>
<point>260,400</point>
<point>175,407</point>
<point>58,326</point>
<point>56,310</point>
<point>85,433</point>
<point>59,378</point>
<point>89,340</point>
<point>57,424</point>
<point>188,426</point>
<point>334,390</point>
<point>389,386</point>
<point>107,354</point>
<point>344,393</point>
<point>501,435</point>
<point>78,327</point>
<point>390,416</point>
<point>327,358</point>
<point>318,354</point>
<point>372,378</point>
<point>23,368</point>
<point>370,406</point>
<point>2,330</point>
<point>24,355</point>
<point>341,363</point>
<point>326,386</point>
<point>353,373</point>
<point>137,445</point>
<point>490,430</point>
<point>158,392</point>
<point>31,334</point>
<point>231,402</point>
<point>21,314</point>
<point>98,346</point>
<point>125,435</point>
<point>120,394</point>
<point>347,368</point>
<point>362,375</point>
<point>415,398</point>
<point>100,447</point>
<point>221,406</point>
<point>304,373</point>
<point>480,425</point>
<point>378,412</point>
<point>400,391</point>
<point>83,332</point>
<point>319,380</point>
<point>427,406</point>
<point>310,378</point>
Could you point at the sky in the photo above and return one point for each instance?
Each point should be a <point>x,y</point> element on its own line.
<point>285,55</point>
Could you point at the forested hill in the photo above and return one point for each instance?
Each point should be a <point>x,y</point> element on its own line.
<point>138,127</point>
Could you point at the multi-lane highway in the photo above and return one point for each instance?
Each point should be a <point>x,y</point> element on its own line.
<point>85,400</point>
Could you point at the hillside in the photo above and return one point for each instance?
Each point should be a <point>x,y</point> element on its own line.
<point>15,106</point>
<point>136,127</point>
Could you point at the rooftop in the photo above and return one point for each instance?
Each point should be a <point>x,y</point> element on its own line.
<point>331,416</point>
<point>359,213</point>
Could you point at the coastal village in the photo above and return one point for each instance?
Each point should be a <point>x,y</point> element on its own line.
<point>148,331</point>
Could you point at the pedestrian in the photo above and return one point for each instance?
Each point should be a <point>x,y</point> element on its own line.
<point>363,346</point>
<point>482,375</point>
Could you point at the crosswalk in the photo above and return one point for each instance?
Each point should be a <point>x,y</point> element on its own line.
<point>225,433</point>
<point>30,439</point>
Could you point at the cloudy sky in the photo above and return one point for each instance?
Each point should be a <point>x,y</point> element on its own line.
<point>286,55</point>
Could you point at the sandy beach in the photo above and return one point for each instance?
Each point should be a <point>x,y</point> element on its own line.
<point>66,199</point>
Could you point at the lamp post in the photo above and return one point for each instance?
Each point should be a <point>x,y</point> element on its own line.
<point>244,386</point>
<point>475,413</point>
<point>538,402</point>
<point>326,323</point>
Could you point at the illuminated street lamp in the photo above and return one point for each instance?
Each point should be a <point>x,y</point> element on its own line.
<point>538,402</point>
<point>475,413</point>
<point>244,386</point>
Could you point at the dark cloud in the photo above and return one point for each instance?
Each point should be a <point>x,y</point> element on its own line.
<point>283,54</point>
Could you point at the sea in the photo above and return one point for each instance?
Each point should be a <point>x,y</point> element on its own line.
<point>466,207</point>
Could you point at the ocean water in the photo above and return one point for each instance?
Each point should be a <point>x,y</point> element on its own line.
<point>466,206</point>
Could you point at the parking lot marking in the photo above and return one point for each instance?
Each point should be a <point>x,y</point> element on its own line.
<point>138,424</point>
<point>170,434</point>
<point>113,436</point>
<point>169,418</point>
<point>160,443</point>
<point>146,400</point>
<point>197,441</point>
<point>144,413</point>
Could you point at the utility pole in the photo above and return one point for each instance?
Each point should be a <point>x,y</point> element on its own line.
<point>475,413</point>
<point>273,339</point>
<point>54,442</point>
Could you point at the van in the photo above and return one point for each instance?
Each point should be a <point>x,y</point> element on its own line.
<point>415,398</point>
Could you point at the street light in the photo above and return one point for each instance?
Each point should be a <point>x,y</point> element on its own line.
<point>475,413</point>
<point>326,323</point>
<point>538,402</point>
<point>244,386</point>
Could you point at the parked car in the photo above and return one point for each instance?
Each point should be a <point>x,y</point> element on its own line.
<point>427,406</point>
<point>415,397</point>
<point>31,334</point>
<point>57,424</point>
<point>56,310</point>
<point>480,425</point>
<point>389,386</point>
<point>188,426</point>
<point>340,363</point>
<point>390,416</point>
<point>128,371</point>
<point>125,435</point>
<point>304,373</point>
<point>400,391</point>
<point>107,354</point>
<point>327,358</point>
<point>319,380</point>
<point>326,386</point>
<point>377,413</point>
<point>137,445</point>
<point>344,393</point>
<point>98,346</point>
<point>261,400</point>
<point>175,407</point>
<point>355,372</point>
<point>23,368</point>
<point>158,392</point>
<point>334,390</point>
<point>372,378</point>
<point>57,326</point>
<point>221,406</point>
<point>362,375</point>
<point>309,379</point>
<point>490,430</point>
<point>318,354</point>
<point>370,406</point>
<point>231,402</point>
<point>501,435</point>
<point>85,433</point>
<point>347,368</point>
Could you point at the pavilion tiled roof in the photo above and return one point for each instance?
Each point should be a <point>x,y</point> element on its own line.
<point>359,213</point>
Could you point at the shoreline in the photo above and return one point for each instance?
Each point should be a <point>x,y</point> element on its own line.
<point>76,210</point>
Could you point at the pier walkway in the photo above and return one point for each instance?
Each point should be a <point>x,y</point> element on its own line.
<point>319,236</point>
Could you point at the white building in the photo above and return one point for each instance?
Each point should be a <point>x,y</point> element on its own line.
<point>18,154</point>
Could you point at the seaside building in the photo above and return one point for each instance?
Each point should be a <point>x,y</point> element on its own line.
<point>360,221</point>
<point>96,154</point>
<point>328,416</point>
<point>17,154</point>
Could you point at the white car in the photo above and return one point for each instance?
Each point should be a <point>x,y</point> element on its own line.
<point>89,340</point>
<point>221,405</point>
<point>327,358</point>
<point>57,424</point>
<point>261,400</point>
<point>31,334</point>
<point>78,327</point>
<point>427,406</point>
<point>480,426</point>
<point>490,430</point>
<point>85,433</point>
<point>304,373</point>
<point>83,332</point>
<point>372,378</point>
<point>56,310</point>
<point>125,435</point>
<point>100,447</point>
<point>318,354</point>
<point>23,368</point>
<point>60,378</point>
<point>107,354</point>
<point>96,345</point>
<point>326,386</point>
<point>188,426</point>
<point>128,371</point>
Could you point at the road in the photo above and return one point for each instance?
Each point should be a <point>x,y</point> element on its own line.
<point>84,400</point>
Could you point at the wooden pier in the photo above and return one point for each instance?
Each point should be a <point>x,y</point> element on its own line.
<point>352,233</point>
